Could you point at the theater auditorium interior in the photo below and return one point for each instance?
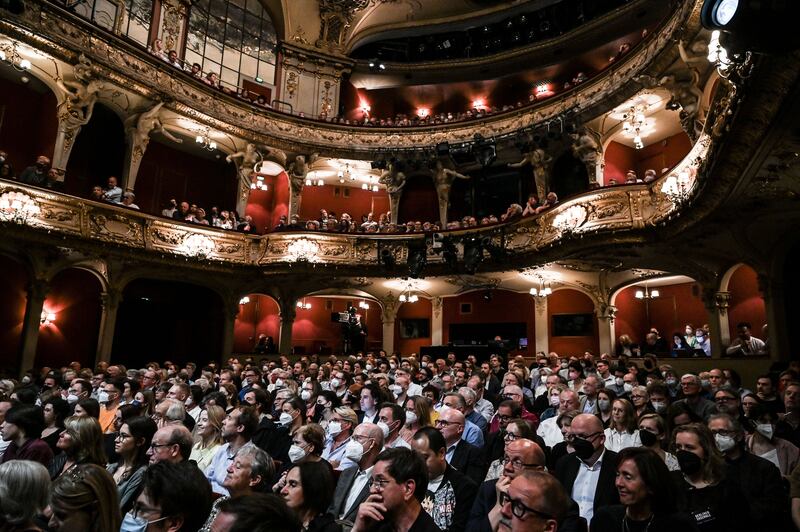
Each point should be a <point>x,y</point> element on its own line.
<point>334,265</point>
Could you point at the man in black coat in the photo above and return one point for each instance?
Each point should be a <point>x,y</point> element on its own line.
<point>353,485</point>
<point>450,493</point>
<point>466,458</point>
<point>588,474</point>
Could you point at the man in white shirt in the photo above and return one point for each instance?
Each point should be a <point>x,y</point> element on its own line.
<point>605,374</point>
<point>548,429</point>
<point>353,486</point>
<point>113,193</point>
<point>482,406</point>
<point>746,344</point>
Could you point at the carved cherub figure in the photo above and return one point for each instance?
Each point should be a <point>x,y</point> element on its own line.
<point>539,161</point>
<point>144,124</point>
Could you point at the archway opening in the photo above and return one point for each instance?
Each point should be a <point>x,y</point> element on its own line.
<point>747,302</point>
<point>98,153</point>
<point>259,314</point>
<point>317,327</point>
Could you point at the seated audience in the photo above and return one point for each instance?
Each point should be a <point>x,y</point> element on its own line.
<point>85,498</point>
<point>80,443</point>
<point>132,444</point>
<point>21,428</point>
<point>24,495</point>
<point>308,492</point>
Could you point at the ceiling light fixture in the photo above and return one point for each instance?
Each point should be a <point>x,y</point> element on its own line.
<point>633,123</point>
<point>647,293</point>
<point>303,305</point>
<point>203,139</point>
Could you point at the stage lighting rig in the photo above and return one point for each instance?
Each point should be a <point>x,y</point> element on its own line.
<point>764,26</point>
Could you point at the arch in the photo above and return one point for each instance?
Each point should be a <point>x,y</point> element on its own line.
<point>97,268</point>
<point>98,152</point>
<point>74,297</point>
<point>260,315</point>
<point>314,330</point>
<point>725,279</point>
<point>165,319</point>
<point>746,303</point>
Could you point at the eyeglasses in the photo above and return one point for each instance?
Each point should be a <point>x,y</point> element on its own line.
<point>122,436</point>
<point>587,437</point>
<point>504,418</point>
<point>519,509</point>
<point>380,483</point>
<point>155,446</point>
<point>516,463</point>
<point>442,423</point>
<point>510,436</point>
<point>724,399</point>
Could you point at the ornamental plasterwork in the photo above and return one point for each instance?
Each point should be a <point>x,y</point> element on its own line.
<point>226,114</point>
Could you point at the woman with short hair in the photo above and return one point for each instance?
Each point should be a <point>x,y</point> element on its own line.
<point>653,435</point>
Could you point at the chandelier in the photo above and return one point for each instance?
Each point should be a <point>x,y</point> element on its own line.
<point>346,174</point>
<point>204,141</point>
<point>646,293</point>
<point>570,219</point>
<point>543,291</point>
<point>197,246</point>
<point>303,305</point>
<point>363,305</point>
<point>408,295</point>
<point>302,250</point>
<point>9,54</point>
<point>18,207</point>
<point>258,183</point>
<point>316,183</point>
<point>245,300</point>
<point>633,122</point>
<point>677,188</point>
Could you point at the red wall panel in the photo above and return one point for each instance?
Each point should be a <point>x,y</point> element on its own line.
<point>260,316</point>
<point>676,306</point>
<point>747,303</point>
<point>75,298</point>
<point>14,297</point>
<point>28,123</point>
<point>419,201</point>
<point>281,205</point>
<point>422,309</point>
<point>618,159</point>
<point>314,329</point>
<point>665,153</point>
<point>267,206</point>
<point>569,301</point>
<point>358,203</point>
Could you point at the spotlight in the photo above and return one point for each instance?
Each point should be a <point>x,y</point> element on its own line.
<point>719,13</point>
<point>417,258</point>
<point>765,26</point>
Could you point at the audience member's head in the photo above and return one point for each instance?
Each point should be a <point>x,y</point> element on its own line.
<point>177,495</point>
<point>85,498</point>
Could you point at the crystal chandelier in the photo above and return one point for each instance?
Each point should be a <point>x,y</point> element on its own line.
<point>302,250</point>
<point>633,123</point>
<point>204,140</point>
<point>18,207</point>
<point>346,174</point>
<point>677,188</point>
<point>197,246</point>
<point>408,295</point>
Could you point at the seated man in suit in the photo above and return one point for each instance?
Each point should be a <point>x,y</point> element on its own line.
<point>353,486</point>
<point>520,455</point>
<point>466,458</point>
<point>535,501</point>
<point>450,493</point>
<point>589,473</point>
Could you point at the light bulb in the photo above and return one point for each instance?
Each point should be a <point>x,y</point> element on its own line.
<point>639,294</point>
<point>25,64</point>
<point>654,293</point>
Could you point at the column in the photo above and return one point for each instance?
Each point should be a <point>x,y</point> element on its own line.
<point>605,328</point>
<point>776,318</point>
<point>288,314</point>
<point>310,81</point>
<point>717,302</point>
<point>37,292</point>
<point>437,321</point>
<point>389,307</point>
<point>229,313</point>
<point>541,332</point>
<point>109,304</point>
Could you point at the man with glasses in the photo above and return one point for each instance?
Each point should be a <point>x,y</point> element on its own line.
<point>354,483</point>
<point>520,455</point>
<point>250,377</point>
<point>150,380</point>
<point>171,443</point>
<point>692,390</point>
<point>589,473</point>
<point>174,497</point>
<point>535,502</point>
<point>399,484</point>
<point>450,494</point>
<point>466,458</point>
<point>727,402</point>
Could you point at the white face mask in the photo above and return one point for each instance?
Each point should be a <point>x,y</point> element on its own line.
<point>627,387</point>
<point>766,430</point>
<point>658,406</point>
<point>279,383</point>
<point>335,383</point>
<point>385,428</point>
<point>354,451</point>
<point>396,390</point>
<point>285,419</point>
<point>724,443</point>
<point>102,397</point>
<point>411,417</point>
<point>305,395</point>
<point>334,428</point>
<point>72,398</point>
<point>554,400</point>
<point>604,405</point>
<point>296,453</point>
<point>370,367</point>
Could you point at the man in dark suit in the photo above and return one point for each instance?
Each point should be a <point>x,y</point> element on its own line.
<point>353,486</point>
<point>589,473</point>
<point>450,493</point>
<point>466,458</point>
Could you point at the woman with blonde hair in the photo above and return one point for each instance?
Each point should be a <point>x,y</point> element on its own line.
<point>85,498</point>
<point>80,443</point>
<point>24,494</point>
<point>208,435</point>
<point>622,432</point>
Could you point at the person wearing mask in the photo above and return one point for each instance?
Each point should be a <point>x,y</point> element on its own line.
<point>81,442</point>
<point>36,174</point>
<point>399,485</point>
<point>175,497</point>
<point>659,397</point>
<point>520,455</point>
<point>309,392</point>
<point>250,472</point>
<point>715,502</point>
<point>647,495</point>
<point>622,431</point>
<point>353,485</point>
<point>338,432</point>
<point>339,383</point>
<point>326,402</point>
<point>605,402</point>
<point>24,495</point>
<point>109,398</point>
<point>450,494</point>
<point>132,443</point>
<point>22,427</point>
<point>758,478</point>
<point>308,493</point>
<point>418,415</point>
<point>548,429</point>
<point>208,433</point>
<point>550,398</point>
<point>702,341</point>
<point>653,435</point>
<point>391,418</point>
<point>55,410</point>
<point>588,474</point>
<point>237,431</point>
<point>85,499</point>
<point>763,442</point>
<point>465,457</point>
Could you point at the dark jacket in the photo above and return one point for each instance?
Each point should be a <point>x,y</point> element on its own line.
<point>762,484</point>
<point>455,486</point>
<point>324,523</point>
<point>722,507</point>
<point>469,460</point>
<point>346,479</point>
<point>606,492</point>
<point>609,519</point>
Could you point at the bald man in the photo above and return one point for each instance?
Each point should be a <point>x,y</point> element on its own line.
<point>520,455</point>
<point>466,458</point>
<point>589,473</point>
<point>171,443</point>
<point>539,492</point>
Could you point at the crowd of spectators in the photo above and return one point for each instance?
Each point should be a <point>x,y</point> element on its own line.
<point>376,442</point>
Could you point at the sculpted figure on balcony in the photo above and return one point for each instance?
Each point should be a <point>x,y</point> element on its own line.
<point>586,148</point>
<point>297,171</point>
<point>79,99</point>
<point>443,180</point>
<point>540,161</point>
<point>394,180</point>
<point>246,161</point>
<point>144,124</point>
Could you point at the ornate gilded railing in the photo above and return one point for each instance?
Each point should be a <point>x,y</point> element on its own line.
<point>52,30</point>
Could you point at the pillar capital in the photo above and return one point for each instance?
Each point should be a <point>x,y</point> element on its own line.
<point>389,307</point>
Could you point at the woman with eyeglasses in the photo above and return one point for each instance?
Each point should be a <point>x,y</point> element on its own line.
<point>647,494</point>
<point>653,433</point>
<point>208,435</point>
<point>641,401</point>
<point>622,431</point>
<point>132,442</point>
<point>80,443</point>
<point>716,502</point>
<point>515,430</point>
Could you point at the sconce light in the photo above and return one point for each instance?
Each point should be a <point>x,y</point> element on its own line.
<point>303,305</point>
<point>245,300</point>
<point>47,317</point>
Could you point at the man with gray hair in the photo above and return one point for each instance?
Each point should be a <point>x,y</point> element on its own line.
<point>169,412</point>
<point>549,429</point>
<point>692,390</point>
<point>472,433</point>
<point>759,479</point>
<point>470,397</point>
<point>353,486</point>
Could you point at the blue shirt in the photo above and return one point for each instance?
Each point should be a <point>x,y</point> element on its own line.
<point>218,469</point>
<point>478,419</point>
<point>472,434</point>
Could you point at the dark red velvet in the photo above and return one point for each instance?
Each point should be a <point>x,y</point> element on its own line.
<point>332,199</point>
<point>28,123</point>
<point>747,303</point>
<point>14,297</point>
<point>419,201</point>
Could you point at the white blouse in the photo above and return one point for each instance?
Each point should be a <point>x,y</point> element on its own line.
<point>616,441</point>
